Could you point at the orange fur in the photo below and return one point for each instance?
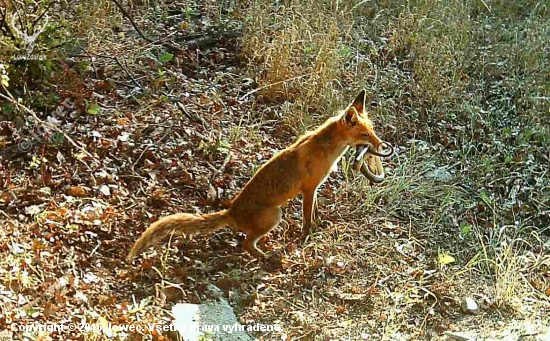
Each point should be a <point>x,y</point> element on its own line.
<point>299,169</point>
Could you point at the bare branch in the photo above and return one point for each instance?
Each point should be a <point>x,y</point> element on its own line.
<point>43,14</point>
<point>127,15</point>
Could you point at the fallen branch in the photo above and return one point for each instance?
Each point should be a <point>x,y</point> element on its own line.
<point>196,41</point>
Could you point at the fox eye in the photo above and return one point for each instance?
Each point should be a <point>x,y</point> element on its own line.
<point>365,135</point>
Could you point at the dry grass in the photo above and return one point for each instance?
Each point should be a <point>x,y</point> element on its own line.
<point>301,52</point>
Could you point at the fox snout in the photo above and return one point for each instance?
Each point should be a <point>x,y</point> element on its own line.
<point>374,141</point>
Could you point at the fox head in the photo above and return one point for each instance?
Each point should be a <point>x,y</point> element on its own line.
<point>356,125</point>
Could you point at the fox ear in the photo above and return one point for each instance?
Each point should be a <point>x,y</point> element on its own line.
<point>350,117</point>
<point>359,102</point>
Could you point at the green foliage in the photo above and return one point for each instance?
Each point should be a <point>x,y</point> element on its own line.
<point>32,44</point>
<point>161,59</point>
<point>465,231</point>
<point>93,109</point>
<point>84,66</point>
<point>190,13</point>
<point>218,147</point>
<point>166,57</point>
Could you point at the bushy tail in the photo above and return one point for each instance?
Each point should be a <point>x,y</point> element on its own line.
<point>180,223</point>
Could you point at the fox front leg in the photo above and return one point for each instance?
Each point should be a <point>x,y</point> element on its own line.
<point>307,212</point>
<point>316,214</point>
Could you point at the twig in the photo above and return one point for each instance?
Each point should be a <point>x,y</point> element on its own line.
<point>93,64</point>
<point>127,72</point>
<point>273,84</point>
<point>43,14</point>
<point>224,164</point>
<point>193,117</point>
<point>23,26</point>
<point>89,54</point>
<point>485,4</point>
<point>127,15</point>
<point>359,4</point>
<point>7,216</point>
<point>95,248</point>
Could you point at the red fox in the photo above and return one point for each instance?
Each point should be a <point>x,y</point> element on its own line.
<point>300,168</point>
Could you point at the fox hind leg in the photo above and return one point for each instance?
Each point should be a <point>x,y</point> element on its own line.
<point>258,227</point>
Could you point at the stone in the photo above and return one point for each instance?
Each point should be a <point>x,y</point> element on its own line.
<point>439,175</point>
<point>459,336</point>
<point>104,189</point>
<point>469,305</point>
<point>197,322</point>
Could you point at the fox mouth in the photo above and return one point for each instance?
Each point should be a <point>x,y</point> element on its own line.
<point>373,161</point>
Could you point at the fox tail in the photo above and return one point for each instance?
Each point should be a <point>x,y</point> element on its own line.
<point>179,223</point>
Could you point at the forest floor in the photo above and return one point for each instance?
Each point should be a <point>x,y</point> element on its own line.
<point>128,132</point>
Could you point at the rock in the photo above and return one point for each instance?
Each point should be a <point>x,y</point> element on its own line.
<point>439,175</point>
<point>216,321</point>
<point>459,336</point>
<point>104,189</point>
<point>34,209</point>
<point>45,191</point>
<point>470,306</point>
<point>124,137</point>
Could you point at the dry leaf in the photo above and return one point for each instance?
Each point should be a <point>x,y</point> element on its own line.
<point>78,191</point>
<point>446,258</point>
